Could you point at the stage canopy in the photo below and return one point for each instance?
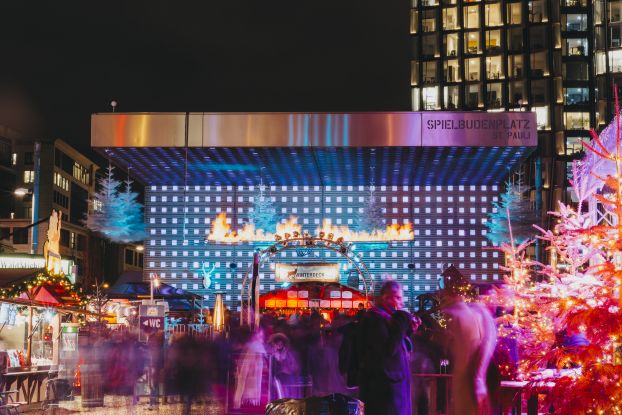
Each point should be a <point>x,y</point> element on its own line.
<point>320,149</point>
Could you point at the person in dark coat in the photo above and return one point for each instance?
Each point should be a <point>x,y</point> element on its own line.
<point>385,373</point>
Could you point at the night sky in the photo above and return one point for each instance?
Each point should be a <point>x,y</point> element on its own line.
<point>63,60</point>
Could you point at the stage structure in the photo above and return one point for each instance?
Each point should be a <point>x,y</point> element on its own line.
<point>438,172</point>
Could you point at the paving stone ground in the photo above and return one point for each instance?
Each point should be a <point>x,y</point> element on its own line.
<point>117,405</point>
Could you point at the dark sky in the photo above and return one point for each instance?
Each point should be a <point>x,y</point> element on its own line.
<point>63,60</point>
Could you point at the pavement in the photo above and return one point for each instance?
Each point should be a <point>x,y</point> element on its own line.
<point>121,405</point>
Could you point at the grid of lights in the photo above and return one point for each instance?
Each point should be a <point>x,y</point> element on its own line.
<point>448,225</point>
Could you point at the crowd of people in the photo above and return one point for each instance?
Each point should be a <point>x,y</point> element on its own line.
<point>370,355</point>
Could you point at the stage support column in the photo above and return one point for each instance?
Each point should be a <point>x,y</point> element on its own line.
<point>253,311</point>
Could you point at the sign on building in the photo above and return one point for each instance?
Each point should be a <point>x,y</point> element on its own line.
<point>321,272</point>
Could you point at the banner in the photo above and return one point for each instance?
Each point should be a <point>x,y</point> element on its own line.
<point>307,272</point>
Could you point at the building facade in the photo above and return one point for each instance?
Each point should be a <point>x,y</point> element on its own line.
<point>557,58</point>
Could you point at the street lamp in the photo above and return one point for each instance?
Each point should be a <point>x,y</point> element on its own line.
<point>153,282</point>
<point>21,192</point>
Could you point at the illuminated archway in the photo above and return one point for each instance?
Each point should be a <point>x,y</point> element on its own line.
<point>249,306</point>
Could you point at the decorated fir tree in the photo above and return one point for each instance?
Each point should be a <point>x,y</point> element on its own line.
<point>516,207</point>
<point>373,217</point>
<point>263,216</point>
<point>566,315</point>
<point>115,214</point>
<point>133,209</point>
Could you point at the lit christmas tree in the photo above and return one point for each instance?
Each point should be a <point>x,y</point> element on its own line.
<point>373,216</point>
<point>135,225</point>
<point>114,214</point>
<point>263,216</point>
<point>567,314</point>
<point>515,205</point>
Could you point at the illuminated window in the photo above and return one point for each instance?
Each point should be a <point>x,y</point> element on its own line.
<point>450,18</point>
<point>575,47</point>
<point>574,22</point>
<point>414,73</point>
<point>576,96</point>
<point>515,66</point>
<point>471,17</point>
<point>574,3</point>
<point>81,173</point>
<point>428,21</point>
<point>473,96</point>
<point>615,35</point>
<point>429,3</point>
<point>573,145</point>
<point>97,205</point>
<point>515,13</point>
<point>614,11</point>
<point>452,70</point>
<point>29,176</point>
<point>517,93</point>
<point>430,98</point>
<point>414,20</point>
<point>450,42</point>
<point>539,64</point>
<point>415,99</point>
<point>429,72</point>
<point>472,69</point>
<point>493,40</point>
<point>577,120</point>
<point>493,95</point>
<point>61,181</point>
<point>542,117</point>
<point>451,96</point>
<point>492,14</point>
<point>615,60</point>
<point>493,67</point>
<point>13,159</point>
<point>537,11</point>
<point>471,43</point>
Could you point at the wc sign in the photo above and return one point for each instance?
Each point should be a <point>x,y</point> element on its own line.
<point>150,321</point>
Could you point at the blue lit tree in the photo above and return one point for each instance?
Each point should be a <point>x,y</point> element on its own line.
<point>522,216</point>
<point>114,214</point>
<point>133,212</point>
<point>373,216</point>
<point>263,215</point>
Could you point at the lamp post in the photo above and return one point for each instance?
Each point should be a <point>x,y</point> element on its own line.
<point>153,282</point>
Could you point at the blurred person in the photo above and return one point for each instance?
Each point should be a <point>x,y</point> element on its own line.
<point>285,366</point>
<point>250,371</point>
<point>385,347</point>
<point>470,339</point>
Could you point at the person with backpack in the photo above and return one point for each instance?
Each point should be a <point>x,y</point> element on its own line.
<point>382,351</point>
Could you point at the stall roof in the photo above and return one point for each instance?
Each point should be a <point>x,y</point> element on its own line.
<point>136,290</point>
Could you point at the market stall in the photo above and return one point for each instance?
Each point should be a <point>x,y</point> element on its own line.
<point>327,298</point>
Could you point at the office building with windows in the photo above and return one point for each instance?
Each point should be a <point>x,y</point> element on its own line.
<point>556,58</point>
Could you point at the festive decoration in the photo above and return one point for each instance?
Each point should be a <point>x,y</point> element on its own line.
<point>58,283</point>
<point>566,316</point>
<point>263,216</point>
<point>114,214</point>
<point>373,216</point>
<point>515,205</point>
<point>51,249</point>
<point>133,210</point>
<point>221,232</point>
<point>207,275</point>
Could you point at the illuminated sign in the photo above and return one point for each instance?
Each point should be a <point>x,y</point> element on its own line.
<point>34,262</point>
<point>307,272</point>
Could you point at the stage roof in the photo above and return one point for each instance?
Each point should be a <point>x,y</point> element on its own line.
<point>329,149</point>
